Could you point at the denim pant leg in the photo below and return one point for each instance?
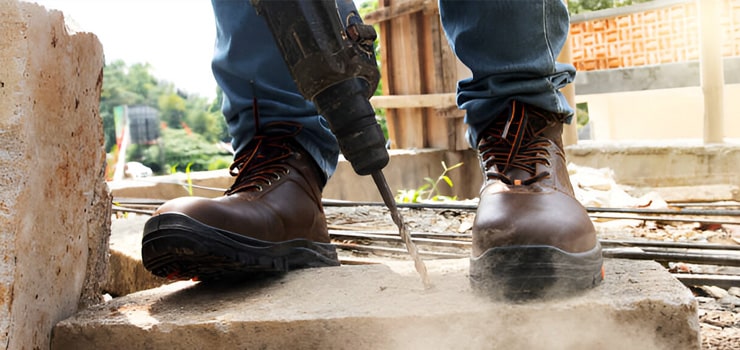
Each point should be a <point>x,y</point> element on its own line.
<point>511,47</point>
<point>247,65</point>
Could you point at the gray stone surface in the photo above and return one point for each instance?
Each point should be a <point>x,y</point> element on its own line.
<point>640,306</point>
<point>54,203</point>
<point>126,272</point>
<point>662,163</point>
<point>650,77</point>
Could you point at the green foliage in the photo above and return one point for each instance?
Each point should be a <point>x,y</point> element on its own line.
<point>429,191</point>
<point>179,150</point>
<point>135,85</point>
<point>193,124</point>
<point>189,179</point>
<point>221,162</point>
<point>172,109</point>
<point>582,117</point>
<point>580,6</point>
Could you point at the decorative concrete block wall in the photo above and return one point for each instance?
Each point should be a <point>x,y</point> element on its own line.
<point>661,31</point>
<point>54,203</point>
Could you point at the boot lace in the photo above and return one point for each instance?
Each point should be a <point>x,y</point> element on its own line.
<point>262,162</point>
<point>516,143</point>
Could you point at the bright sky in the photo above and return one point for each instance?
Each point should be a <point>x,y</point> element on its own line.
<point>175,36</point>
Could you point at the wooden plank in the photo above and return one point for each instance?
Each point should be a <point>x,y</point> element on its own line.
<point>419,77</point>
<point>437,129</point>
<point>443,100</point>
<point>398,9</point>
<point>387,72</point>
<point>406,80</point>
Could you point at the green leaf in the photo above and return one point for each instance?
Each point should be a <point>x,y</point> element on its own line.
<point>447,180</point>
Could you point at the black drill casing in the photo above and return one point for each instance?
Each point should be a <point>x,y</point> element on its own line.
<point>331,59</point>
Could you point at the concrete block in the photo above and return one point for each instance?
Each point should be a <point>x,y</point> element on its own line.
<point>406,170</point>
<point>662,163</point>
<point>640,306</point>
<point>54,203</point>
<point>126,273</point>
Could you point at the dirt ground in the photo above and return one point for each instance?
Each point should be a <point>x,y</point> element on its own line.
<point>719,309</point>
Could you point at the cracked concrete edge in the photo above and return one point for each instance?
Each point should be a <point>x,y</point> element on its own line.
<point>384,306</point>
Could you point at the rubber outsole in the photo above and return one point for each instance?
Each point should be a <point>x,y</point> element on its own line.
<point>177,246</point>
<point>530,272</point>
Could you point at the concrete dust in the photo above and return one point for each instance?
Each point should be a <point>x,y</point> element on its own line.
<point>384,307</point>
<point>718,320</point>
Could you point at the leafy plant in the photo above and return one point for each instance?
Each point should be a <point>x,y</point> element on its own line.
<point>189,179</point>
<point>430,191</point>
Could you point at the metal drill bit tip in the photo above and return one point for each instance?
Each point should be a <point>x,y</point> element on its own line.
<point>390,202</point>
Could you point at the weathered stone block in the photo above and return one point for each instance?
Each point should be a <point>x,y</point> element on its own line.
<point>54,203</point>
<point>126,273</point>
<point>639,306</point>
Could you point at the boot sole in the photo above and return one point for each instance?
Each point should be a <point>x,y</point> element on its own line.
<point>521,273</point>
<point>178,247</point>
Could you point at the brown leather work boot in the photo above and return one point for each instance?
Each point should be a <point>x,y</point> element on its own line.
<point>531,237</point>
<point>270,220</point>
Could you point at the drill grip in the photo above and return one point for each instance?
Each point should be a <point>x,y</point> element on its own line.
<point>334,67</point>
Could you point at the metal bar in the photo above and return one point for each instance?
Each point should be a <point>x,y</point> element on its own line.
<point>664,218</point>
<point>693,258</point>
<point>725,204</point>
<point>722,281</point>
<point>681,245</point>
<point>472,206</point>
<point>698,212</point>
<point>440,255</point>
<point>396,238</point>
<point>132,210</point>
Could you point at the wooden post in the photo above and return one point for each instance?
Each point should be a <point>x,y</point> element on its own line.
<point>712,71</point>
<point>570,131</point>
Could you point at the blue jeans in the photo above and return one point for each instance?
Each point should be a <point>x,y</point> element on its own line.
<point>509,45</point>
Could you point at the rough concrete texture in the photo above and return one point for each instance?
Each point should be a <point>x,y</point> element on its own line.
<point>662,163</point>
<point>126,274</point>
<point>640,306</point>
<point>54,203</point>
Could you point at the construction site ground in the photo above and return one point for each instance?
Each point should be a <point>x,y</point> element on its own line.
<point>719,308</point>
<point>360,231</point>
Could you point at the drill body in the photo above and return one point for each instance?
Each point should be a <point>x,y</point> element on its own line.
<point>330,54</point>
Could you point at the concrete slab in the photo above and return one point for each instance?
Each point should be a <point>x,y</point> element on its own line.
<point>640,306</point>
<point>126,273</point>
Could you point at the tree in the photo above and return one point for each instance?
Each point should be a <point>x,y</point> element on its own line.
<point>172,109</point>
<point>125,85</point>
<point>579,6</point>
<point>192,123</point>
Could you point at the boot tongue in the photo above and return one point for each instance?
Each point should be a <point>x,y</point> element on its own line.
<point>518,174</point>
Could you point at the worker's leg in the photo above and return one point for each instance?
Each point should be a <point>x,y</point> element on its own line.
<point>511,47</point>
<point>271,219</point>
<point>248,67</point>
<point>531,237</point>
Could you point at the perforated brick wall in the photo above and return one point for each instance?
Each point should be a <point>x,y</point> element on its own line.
<point>664,35</point>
